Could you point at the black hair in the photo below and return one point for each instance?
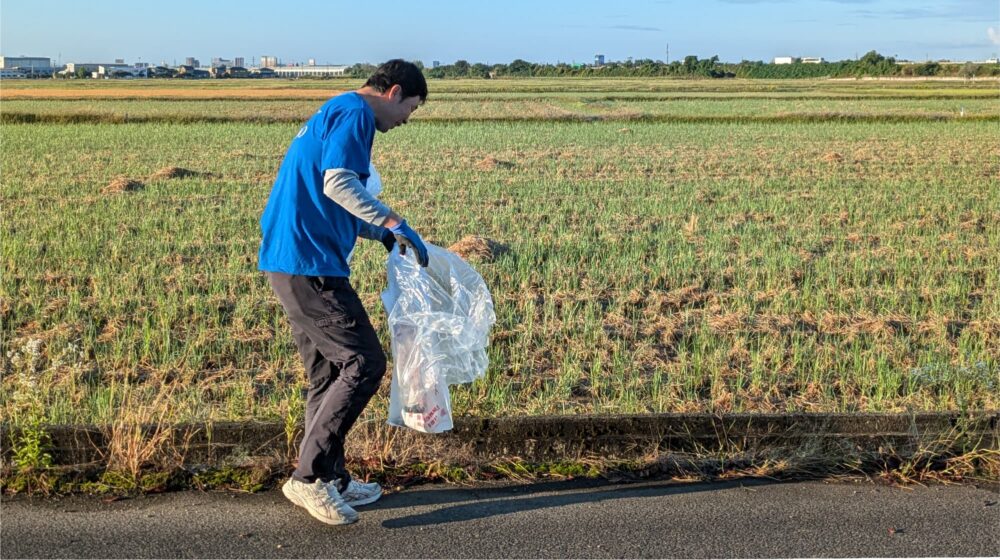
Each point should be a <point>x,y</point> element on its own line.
<point>402,73</point>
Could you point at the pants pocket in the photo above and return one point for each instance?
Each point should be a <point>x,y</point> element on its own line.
<point>336,319</point>
<point>337,297</point>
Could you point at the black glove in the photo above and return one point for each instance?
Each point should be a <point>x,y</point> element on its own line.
<point>388,239</point>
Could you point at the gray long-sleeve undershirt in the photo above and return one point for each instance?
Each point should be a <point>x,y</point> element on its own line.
<point>345,188</point>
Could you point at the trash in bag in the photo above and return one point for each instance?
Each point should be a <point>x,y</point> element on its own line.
<point>439,324</point>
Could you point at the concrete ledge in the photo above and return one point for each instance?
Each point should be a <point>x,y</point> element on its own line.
<point>543,438</point>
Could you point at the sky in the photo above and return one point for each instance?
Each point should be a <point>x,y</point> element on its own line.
<point>339,32</point>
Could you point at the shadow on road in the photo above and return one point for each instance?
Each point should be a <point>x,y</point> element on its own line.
<point>492,502</point>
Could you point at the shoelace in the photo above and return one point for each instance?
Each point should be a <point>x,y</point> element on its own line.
<point>337,500</point>
<point>325,498</point>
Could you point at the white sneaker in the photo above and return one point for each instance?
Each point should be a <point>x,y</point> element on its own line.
<point>321,500</point>
<point>360,494</point>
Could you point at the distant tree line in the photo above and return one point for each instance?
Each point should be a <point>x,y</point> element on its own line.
<point>871,64</point>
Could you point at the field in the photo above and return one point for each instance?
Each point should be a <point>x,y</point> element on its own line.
<point>672,245</point>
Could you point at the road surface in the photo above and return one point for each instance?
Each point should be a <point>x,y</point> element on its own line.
<point>579,519</point>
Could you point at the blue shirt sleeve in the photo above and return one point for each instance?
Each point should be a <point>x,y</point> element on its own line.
<point>348,143</point>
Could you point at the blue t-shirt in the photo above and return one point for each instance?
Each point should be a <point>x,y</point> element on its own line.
<point>304,232</point>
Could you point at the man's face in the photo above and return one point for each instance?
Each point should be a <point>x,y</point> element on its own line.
<point>396,110</point>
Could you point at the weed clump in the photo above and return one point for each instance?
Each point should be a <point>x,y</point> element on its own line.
<point>490,163</point>
<point>171,172</point>
<point>122,185</point>
<point>474,247</point>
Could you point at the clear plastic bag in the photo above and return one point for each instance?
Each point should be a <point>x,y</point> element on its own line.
<point>439,324</point>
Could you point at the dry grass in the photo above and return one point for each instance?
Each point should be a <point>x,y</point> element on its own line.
<point>140,435</point>
<point>399,458</point>
<point>490,163</point>
<point>122,184</point>
<point>170,93</point>
<point>172,172</point>
<point>480,249</point>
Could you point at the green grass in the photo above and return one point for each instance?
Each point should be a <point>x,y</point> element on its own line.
<point>464,107</point>
<point>554,86</point>
<point>653,267</point>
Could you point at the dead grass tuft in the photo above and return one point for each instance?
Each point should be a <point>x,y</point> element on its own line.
<point>171,172</point>
<point>122,184</point>
<point>490,163</point>
<point>141,435</point>
<point>111,330</point>
<point>482,249</point>
<point>833,157</point>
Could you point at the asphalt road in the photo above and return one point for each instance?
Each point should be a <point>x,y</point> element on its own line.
<point>579,519</point>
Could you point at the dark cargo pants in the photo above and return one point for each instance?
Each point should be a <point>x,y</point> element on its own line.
<point>344,365</point>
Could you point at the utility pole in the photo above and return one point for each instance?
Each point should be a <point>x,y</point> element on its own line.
<point>668,53</point>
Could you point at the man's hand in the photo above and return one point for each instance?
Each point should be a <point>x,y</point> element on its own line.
<point>406,237</point>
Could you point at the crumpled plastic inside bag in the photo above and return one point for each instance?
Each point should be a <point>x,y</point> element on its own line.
<point>439,323</point>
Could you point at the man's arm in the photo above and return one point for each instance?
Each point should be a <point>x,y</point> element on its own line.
<point>344,187</point>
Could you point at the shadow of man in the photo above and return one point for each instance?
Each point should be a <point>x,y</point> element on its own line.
<point>491,502</point>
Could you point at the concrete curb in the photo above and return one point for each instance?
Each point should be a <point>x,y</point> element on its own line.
<point>547,438</point>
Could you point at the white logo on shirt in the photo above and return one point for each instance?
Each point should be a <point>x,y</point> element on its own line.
<point>302,131</point>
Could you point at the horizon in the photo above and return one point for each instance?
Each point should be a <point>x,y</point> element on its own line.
<point>959,30</point>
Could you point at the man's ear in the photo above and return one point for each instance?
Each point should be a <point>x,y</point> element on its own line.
<point>395,93</point>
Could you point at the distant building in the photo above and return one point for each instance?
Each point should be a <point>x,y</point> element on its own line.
<point>103,70</point>
<point>238,61</point>
<point>598,60</point>
<point>783,60</point>
<point>268,61</point>
<point>6,74</point>
<point>27,65</point>
<point>72,67</point>
<point>196,74</point>
<point>120,71</point>
<point>192,61</point>
<point>162,71</point>
<point>812,60</point>
<point>435,63</point>
<point>237,72</point>
<point>310,71</point>
<point>217,62</point>
<point>312,62</point>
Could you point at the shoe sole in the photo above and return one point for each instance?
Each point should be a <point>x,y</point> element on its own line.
<point>292,498</point>
<point>364,501</point>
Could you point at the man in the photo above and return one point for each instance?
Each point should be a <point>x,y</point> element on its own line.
<point>318,208</point>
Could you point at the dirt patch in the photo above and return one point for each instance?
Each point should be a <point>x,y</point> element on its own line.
<point>171,172</point>
<point>490,163</point>
<point>833,157</point>
<point>482,249</point>
<point>122,184</point>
